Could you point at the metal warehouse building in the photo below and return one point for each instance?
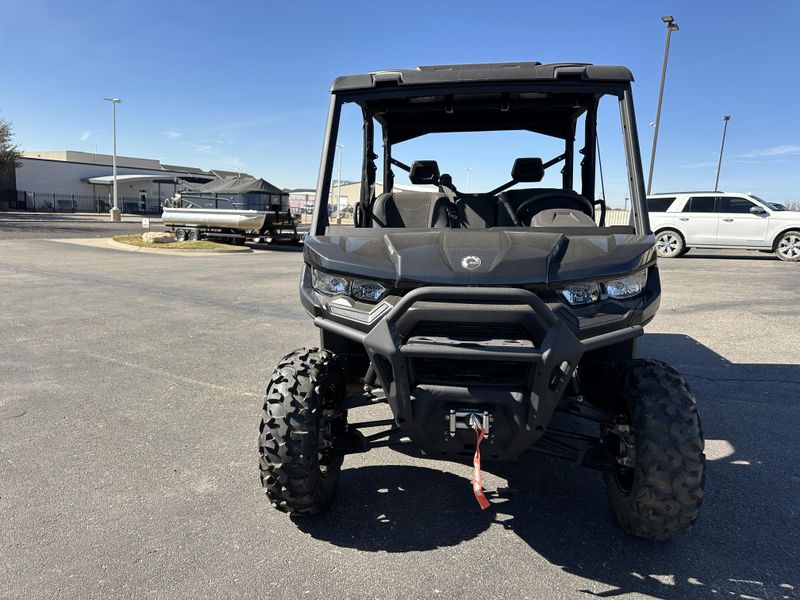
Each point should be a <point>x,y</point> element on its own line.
<point>67,180</point>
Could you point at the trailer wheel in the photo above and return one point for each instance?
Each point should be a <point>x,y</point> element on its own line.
<point>180,235</point>
<point>193,235</point>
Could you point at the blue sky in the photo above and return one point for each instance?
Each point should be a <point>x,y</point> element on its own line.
<point>244,84</point>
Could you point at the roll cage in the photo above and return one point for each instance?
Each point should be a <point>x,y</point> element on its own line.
<point>406,111</point>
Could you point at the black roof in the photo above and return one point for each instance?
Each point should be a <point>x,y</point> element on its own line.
<point>476,73</point>
<point>239,185</point>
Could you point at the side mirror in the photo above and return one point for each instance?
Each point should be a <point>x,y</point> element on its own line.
<point>757,210</point>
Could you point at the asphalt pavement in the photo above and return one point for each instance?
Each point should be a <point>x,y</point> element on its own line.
<point>130,395</point>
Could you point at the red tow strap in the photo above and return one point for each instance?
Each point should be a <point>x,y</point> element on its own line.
<point>477,483</point>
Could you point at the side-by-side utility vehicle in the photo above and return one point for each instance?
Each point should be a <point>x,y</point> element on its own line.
<point>486,320</point>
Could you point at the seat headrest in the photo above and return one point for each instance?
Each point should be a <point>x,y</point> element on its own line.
<point>424,172</point>
<point>528,169</point>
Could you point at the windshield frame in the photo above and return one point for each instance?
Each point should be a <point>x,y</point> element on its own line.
<point>622,90</point>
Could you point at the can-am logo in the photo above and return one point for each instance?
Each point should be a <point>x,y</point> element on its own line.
<point>471,262</point>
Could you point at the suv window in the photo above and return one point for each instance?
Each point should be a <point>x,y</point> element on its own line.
<point>700,204</point>
<point>659,204</point>
<point>734,205</point>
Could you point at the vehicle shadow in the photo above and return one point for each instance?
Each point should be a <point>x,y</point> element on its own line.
<point>744,545</point>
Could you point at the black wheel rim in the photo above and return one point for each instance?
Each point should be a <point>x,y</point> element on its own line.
<point>624,476</point>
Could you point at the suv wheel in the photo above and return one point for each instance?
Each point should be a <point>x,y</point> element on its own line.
<point>669,244</point>
<point>657,489</point>
<point>788,246</point>
<point>301,426</point>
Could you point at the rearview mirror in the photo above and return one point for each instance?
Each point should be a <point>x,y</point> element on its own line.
<point>424,172</point>
<point>757,210</point>
<point>527,170</point>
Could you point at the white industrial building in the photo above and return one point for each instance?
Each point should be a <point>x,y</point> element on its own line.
<point>82,181</point>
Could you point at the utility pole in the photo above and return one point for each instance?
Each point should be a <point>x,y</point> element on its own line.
<point>725,120</point>
<point>469,170</point>
<point>116,214</point>
<point>671,26</point>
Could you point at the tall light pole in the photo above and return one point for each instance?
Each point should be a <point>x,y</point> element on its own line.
<point>725,120</point>
<point>341,148</point>
<point>116,215</point>
<point>671,26</point>
<point>468,170</point>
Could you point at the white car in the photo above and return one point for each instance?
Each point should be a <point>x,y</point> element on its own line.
<point>722,220</point>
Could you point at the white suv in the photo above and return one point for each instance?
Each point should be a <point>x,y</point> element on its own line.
<point>721,220</point>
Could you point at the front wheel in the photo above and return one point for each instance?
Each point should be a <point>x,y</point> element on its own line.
<point>301,427</point>
<point>670,244</point>
<point>657,489</point>
<point>788,247</point>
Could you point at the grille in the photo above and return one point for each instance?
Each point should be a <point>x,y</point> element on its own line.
<point>471,332</point>
<point>470,372</point>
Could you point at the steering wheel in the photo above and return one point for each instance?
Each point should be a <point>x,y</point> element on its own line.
<point>587,207</point>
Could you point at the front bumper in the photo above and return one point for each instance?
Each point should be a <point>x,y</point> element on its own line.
<point>519,408</point>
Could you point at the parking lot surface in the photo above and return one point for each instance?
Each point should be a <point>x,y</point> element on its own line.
<point>129,404</point>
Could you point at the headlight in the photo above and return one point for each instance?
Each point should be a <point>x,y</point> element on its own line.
<point>368,291</point>
<point>582,293</point>
<point>338,285</point>
<point>332,285</point>
<point>627,287</point>
<point>622,287</point>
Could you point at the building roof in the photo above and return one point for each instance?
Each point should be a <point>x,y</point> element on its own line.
<point>231,174</point>
<point>481,73</point>
<point>183,169</point>
<point>154,177</point>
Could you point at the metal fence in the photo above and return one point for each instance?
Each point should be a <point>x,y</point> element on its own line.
<point>72,203</point>
<point>616,216</point>
<point>75,203</point>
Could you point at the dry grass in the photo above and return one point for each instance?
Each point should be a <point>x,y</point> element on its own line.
<point>136,240</point>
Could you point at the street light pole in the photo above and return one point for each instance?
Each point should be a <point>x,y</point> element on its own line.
<point>725,120</point>
<point>671,26</point>
<point>339,183</point>
<point>469,170</point>
<point>116,214</point>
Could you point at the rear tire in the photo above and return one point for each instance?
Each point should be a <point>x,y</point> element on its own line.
<point>788,246</point>
<point>660,496</point>
<point>192,235</point>
<point>670,244</point>
<point>180,235</point>
<point>302,423</point>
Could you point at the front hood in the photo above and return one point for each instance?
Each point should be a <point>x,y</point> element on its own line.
<point>786,215</point>
<point>470,257</point>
